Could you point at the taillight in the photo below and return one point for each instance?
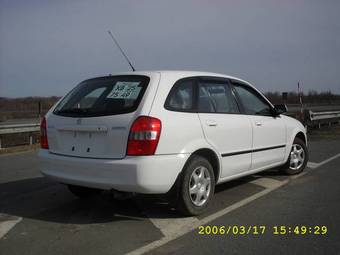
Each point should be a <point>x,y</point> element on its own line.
<point>43,134</point>
<point>144,136</point>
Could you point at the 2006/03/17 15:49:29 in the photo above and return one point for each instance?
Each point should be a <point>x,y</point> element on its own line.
<point>262,229</point>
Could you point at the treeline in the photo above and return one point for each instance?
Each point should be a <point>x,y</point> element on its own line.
<point>28,107</point>
<point>310,98</point>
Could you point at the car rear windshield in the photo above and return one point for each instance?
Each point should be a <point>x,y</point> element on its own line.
<point>104,96</point>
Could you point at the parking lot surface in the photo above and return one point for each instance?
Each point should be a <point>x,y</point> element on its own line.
<point>39,216</point>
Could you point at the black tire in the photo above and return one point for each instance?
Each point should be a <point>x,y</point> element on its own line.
<point>83,192</point>
<point>286,169</point>
<point>185,205</point>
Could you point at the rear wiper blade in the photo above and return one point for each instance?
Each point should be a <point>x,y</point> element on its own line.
<point>75,110</point>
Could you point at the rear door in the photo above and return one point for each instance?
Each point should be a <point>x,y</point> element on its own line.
<point>269,132</point>
<point>94,119</point>
<point>228,131</point>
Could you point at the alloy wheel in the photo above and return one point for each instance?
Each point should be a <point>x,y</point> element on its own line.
<point>297,157</point>
<point>199,186</point>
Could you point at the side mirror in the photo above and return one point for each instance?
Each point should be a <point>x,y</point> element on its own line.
<point>279,109</point>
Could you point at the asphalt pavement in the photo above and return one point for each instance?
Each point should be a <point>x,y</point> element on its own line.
<point>39,216</point>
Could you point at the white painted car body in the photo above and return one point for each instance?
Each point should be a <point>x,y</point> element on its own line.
<point>243,144</point>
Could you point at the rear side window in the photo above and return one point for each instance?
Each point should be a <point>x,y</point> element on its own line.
<point>181,97</point>
<point>104,96</point>
<point>216,97</point>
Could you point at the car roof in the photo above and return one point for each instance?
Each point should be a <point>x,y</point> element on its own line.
<point>177,74</point>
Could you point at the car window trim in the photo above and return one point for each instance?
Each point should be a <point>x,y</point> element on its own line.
<point>214,79</point>
<point>262,98</point>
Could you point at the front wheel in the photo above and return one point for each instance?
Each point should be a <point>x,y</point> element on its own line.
<point>197,186</point>
<point>297,159</point>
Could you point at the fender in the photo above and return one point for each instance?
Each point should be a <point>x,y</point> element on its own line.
<point>201,144</point>
<point>294,127</point>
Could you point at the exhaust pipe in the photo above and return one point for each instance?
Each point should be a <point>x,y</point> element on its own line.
<point>121,195</point>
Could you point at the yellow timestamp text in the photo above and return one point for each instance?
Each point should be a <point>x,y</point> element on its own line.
<point>261,229</point>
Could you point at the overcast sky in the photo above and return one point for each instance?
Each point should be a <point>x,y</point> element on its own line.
<point>47,47</point>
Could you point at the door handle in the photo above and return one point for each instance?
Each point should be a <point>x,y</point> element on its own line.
<point>211,123</point>
<point>259,124</point>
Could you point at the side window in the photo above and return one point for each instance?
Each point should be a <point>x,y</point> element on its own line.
<point>252,103</point>
<point>216,97</point>
<point>181,96</point>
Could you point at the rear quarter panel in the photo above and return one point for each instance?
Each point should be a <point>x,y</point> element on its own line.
<point>181,131</point>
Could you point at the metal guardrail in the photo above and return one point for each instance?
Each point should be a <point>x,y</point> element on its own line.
<point>323,115</point>
<point>318,118</point>
<point>19,128</point>
<point>310,119</point>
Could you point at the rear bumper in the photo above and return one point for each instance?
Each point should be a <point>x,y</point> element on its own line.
<point>142,174</point>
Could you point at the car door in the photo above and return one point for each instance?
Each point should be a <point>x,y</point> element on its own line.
<point>269,132</point>
<point>225,128</point>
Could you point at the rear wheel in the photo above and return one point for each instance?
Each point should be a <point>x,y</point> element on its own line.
<point>197,186</point>
<point>82,192</point>
<point>297,159</point>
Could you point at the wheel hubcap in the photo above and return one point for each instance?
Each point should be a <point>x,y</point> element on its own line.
<point>199,186</point>
<point>297,157</point>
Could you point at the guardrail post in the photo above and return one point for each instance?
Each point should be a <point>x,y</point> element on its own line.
<point>0,144</point>
<point>31,139</point>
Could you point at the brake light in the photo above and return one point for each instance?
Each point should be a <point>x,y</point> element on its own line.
<point>43,134</point>
<point>144,136</point>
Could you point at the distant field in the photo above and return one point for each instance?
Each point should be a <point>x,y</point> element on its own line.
<point>314,107</point>
<point>25,108</point>
<point>24,116</point>
<point>33,107</point>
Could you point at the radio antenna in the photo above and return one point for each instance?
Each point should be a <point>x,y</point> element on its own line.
<point>121,50</point>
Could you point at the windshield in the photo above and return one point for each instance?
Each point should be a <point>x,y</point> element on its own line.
<point>104,96</point>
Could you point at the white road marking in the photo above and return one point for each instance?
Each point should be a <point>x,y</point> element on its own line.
<point>166,222</point>
<point>7,222</point>
<point>298,175</point>
<point>312,165</point>
<point>171,226</point>
<point>316,165</point>
<point>267,182</point>
<point>190,226</point>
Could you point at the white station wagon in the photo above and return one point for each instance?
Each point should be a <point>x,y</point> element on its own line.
<point>167,132</point>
